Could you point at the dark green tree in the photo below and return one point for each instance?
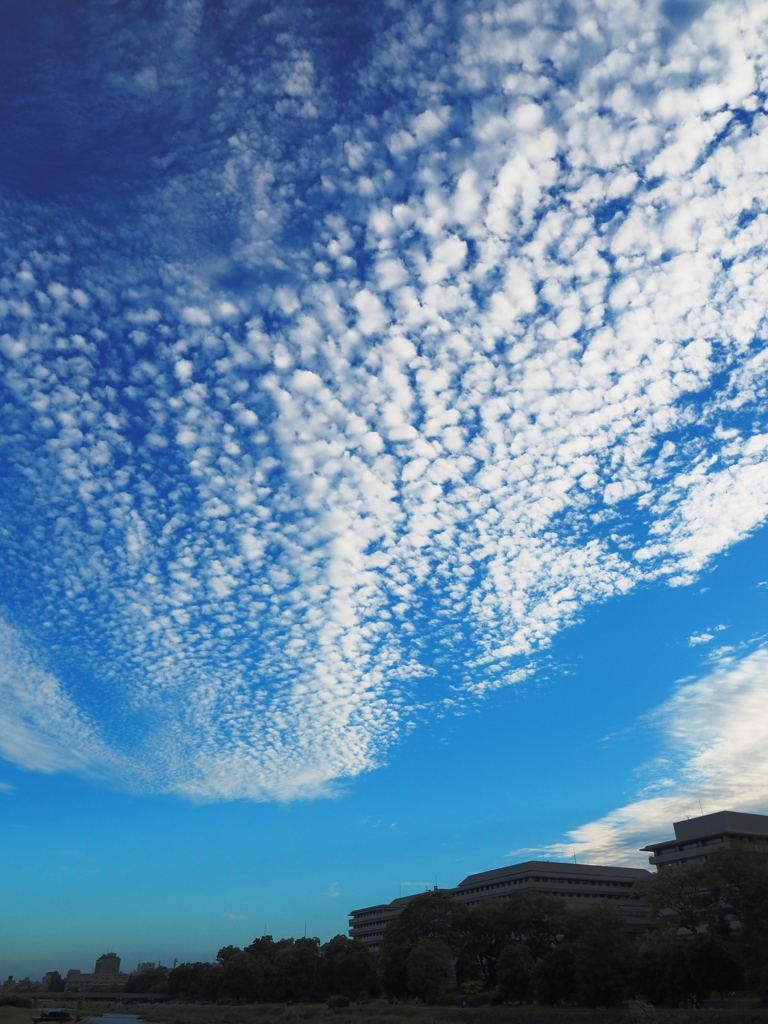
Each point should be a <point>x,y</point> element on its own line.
<point>429,969</point>
<point>604,955</point>
<point>663,972</point>
<point>737,877</point>
<point>525,917</point>
<point>554,976</point>
<point>298,964</point>
<point>433,915</point>
<point>154,980</point>
<point>347,967</point>
<point>514,973</point>
<point>679,898</point>
<point>239,977</point>
<point>226,952</point>
<point>714,966</point>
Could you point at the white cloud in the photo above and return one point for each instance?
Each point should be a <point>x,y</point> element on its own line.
<point>485,369</point>
<point>715,757</point>
<point>700,638</point>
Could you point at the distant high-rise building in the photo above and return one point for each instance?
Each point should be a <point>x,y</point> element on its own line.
<point>108,965</point>
<point>141,968</point>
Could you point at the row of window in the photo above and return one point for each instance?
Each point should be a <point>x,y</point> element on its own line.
<point>549,881</point>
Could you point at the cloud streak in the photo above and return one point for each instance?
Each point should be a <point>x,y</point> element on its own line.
<point>714,734</point>
<point>444,363</point>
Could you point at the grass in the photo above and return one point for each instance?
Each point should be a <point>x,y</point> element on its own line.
<point>384,1013</point>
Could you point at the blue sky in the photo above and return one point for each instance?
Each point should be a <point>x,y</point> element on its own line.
<point>383,449</point>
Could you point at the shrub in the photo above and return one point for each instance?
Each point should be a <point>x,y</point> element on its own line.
<point>641,1012</point>
<point>337,1002</point>
<point>451,999</point>
<point>20,1001</point>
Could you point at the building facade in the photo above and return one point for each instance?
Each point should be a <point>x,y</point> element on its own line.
<point>578,885</point>
<point>108,964</point>
<point>696,838</point>
<point>106,973</point>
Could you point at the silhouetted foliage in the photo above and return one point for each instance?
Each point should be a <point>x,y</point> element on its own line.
<point>434,916</point>
<point>148,981</point>
<point>514,973</point>
<point>429,969</point>
<point>524,917</point>
<point>710,932</point>
<point>188,980</point>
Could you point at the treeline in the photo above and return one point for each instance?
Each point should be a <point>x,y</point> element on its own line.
<point>268,971</point>
<point>709,935</point>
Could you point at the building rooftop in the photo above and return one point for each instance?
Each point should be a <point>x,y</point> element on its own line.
<point>564,869</point>
<point>708,826</point>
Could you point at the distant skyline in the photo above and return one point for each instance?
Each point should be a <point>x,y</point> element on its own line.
<point>383,449</point>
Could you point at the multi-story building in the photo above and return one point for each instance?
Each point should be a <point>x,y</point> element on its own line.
<point>578,885</point>
<point>107,964</point>
<point>106,973</point>
<point>696,838</point>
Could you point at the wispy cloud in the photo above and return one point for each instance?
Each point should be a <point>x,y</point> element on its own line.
<point>715,757</point>
<point>700,638</point>
<point>460,345</point>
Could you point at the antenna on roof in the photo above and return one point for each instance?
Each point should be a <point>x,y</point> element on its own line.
<point>701,809</point>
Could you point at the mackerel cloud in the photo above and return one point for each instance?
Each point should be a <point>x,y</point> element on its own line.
<point>364,367</point>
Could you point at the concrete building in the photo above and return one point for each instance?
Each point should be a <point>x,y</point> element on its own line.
<point>107,964</point>
<point>578,885</point>
<point>696,838</point>
<point>106,974</point>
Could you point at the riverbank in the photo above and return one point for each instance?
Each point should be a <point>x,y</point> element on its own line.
<point>383,1013</point>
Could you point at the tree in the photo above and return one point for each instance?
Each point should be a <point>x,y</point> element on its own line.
<point>226,952</point>
<point>713,965</point>
<point>347,967</point>
<point>188,980</point>
<point>239,977</point>
<point>514,973</point>
<point>554,977</point>
<point>429,969</point>
<point>433,915</point>
<point>663,973</point>
<point>593,962</point>
<point>679,897</point>
<point>298,965</point>
<point>525,917</point>
<point>153,980</point>
<point>604,955</point>
<point>737,877</point>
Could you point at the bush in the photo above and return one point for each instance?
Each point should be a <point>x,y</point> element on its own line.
<point>641,1012</point>
<point>20,1001</point>
<point>337,1002</point>
<point>451,999</point>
